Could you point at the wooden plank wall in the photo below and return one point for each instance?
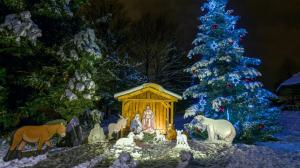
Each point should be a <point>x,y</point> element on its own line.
<point>161,113</point>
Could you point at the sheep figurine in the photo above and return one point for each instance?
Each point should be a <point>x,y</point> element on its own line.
<point>129,141</point>
<point>159,137</point>
<point>181,140</point>
<point>139,136</point>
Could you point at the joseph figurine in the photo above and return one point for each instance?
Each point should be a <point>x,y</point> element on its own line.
<point>148,121</point>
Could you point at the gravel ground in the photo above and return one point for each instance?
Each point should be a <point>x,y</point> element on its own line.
<point>262,157</point>
<point>284,153</point>
<point>71,157</point>
<point>237,156</point>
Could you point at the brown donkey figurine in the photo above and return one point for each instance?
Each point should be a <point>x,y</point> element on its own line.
<point>34,134</point>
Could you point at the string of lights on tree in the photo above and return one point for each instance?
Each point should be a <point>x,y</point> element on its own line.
<point>228,87</point>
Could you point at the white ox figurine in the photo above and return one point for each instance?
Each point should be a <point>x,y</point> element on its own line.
<point>181,142</point>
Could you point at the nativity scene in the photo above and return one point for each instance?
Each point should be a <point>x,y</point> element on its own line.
<point>153,103</point>
<point>78,86</point>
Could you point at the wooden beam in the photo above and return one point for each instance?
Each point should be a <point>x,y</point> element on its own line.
<point>126,102</point>
<point>167,103</point>
<point>123,111</point>
<point>168,117</point>
<point>149,100</point>
<point>172,113</point>
<point>121,98</point>
<point>164,104</point>
<point>123,106</point>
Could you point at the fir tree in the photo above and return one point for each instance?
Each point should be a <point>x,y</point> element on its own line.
<point>5,119</point>
<point>227,86</point>
<point>50,55</point>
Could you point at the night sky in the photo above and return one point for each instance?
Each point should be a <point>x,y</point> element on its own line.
<point>273,30</point>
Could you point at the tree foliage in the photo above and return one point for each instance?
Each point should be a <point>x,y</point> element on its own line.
<point>227,85</point>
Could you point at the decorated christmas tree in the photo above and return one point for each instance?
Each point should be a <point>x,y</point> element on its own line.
<point>226,82</point>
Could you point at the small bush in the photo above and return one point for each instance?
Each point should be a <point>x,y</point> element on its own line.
<point>148,138</point>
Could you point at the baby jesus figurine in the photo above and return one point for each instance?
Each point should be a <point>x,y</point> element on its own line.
<point>148,121</point>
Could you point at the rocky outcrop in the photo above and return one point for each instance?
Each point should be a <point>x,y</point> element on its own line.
<point>185,159</point>
<point>124,161</point>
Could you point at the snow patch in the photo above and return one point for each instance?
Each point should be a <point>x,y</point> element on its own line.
<point>16,163</point>
<point>25,162</point>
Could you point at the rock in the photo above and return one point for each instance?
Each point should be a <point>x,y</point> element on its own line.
<point>96,135</point>
<point>91,163</point>
<point>124,161</point>
<point>74,135</point>
<point>185,159</point>
<point>73,123</point>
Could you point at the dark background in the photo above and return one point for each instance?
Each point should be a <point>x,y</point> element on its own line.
<point>273,29</point>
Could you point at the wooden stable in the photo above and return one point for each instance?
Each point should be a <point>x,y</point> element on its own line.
<point>160,100</point>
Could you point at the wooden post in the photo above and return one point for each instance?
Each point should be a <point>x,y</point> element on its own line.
<point>123,114</point>
<point>172,113</point>
<point>168,116</point>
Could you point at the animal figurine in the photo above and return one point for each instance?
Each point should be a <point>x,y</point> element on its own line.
<point>219,131</point>
<point>129,141</point>
<point>116,127</point>
<point>159,137</point>
<point>171,133</point>
<point>139,136</point>
<point>35,134</point>
<point>181,140</point>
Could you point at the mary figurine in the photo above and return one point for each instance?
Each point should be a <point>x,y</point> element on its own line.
<point>136,125</point>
